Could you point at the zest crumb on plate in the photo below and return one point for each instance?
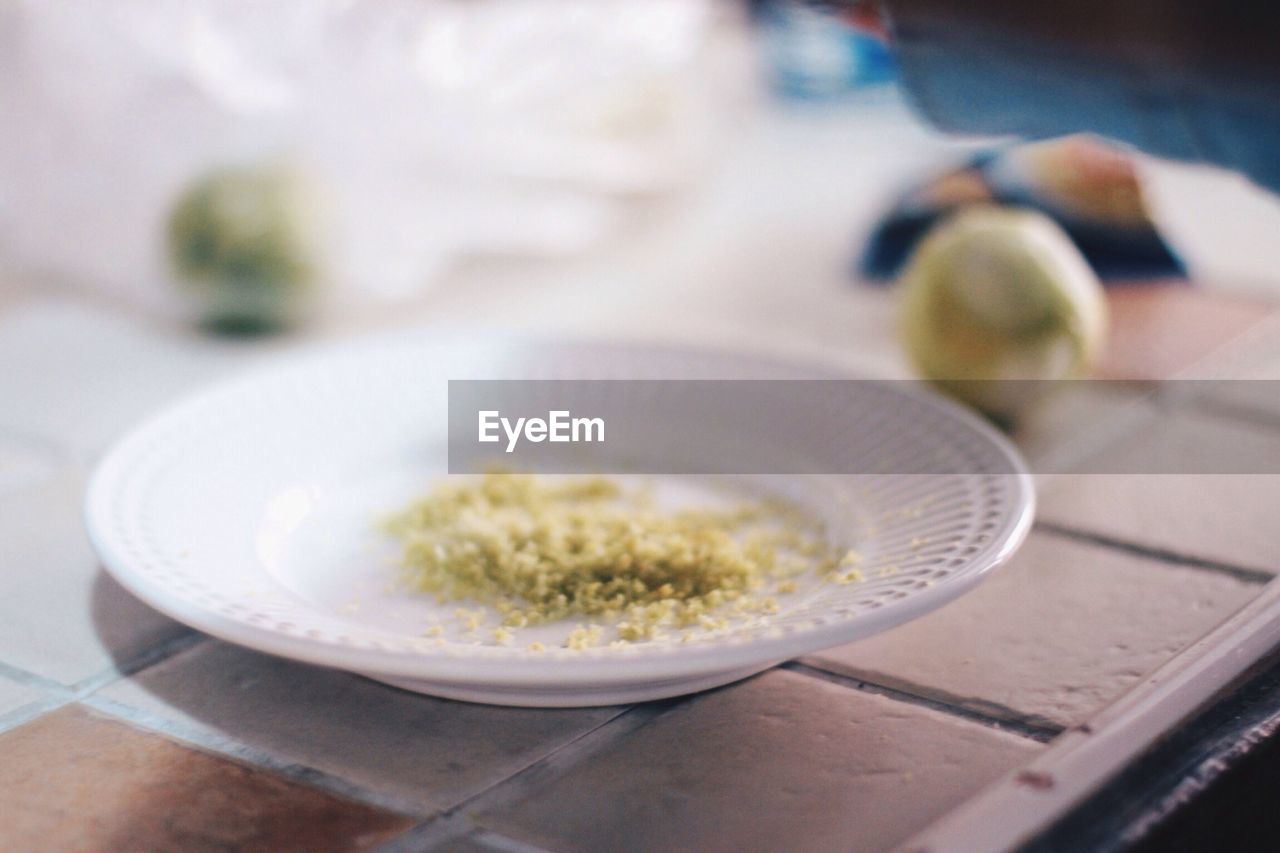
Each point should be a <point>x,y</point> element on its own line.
<point>538,550</point>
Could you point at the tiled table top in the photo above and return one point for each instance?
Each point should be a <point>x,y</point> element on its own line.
<point>120,729</point>
<point>66,621</point>
<point>77,780</point>
<point>202,745</point>
<point>781,761</point>
<point>1063,629</point>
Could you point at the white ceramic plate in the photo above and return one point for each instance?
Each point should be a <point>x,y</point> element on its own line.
<point>249,512</point>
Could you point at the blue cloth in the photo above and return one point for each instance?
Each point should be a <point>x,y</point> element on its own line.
<point>1119,248</point>
<point>1169,102</point>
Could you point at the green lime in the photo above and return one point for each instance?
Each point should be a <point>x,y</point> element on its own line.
<point>994,297</point>
<point>245,242</point>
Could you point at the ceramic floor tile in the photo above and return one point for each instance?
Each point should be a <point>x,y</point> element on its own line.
<point>430,753</point>
<point>1058,633</point>
<point>1157,331</point>
<point>14,696</point>
<point>60,615</point>
<point>780,762</point>
<point>78,376</point>
<point>1222,517</point>
<point>75,781</point>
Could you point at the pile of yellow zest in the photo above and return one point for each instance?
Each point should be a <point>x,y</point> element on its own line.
<point>540,550</point>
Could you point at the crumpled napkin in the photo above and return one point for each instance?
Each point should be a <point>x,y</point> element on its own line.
<point>1088,187</point>
<point>436,129</point>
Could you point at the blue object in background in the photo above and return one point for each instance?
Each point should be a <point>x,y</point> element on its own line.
<point>815,52</point>
<point>1188,79</point>
<point>1087,187</point>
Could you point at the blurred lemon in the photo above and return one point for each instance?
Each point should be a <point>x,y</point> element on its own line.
<point>245,241</point>
<point>995,296</point>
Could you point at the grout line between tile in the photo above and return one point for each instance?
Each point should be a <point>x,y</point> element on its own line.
<point>502,844</point>
<point>143,660</point>
<point>431,834</point>
<point>999,717</point>
<point>161,652</point>
<point>566,756</point>
<point>89,685</point>
<point>440,833</point>
<point>1150,552</point>
<point>30,679</point>
<point>205,740</point>
<point>30,711</point>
